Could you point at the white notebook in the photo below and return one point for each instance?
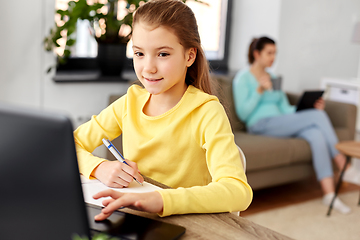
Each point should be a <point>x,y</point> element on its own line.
<point>91,187</point>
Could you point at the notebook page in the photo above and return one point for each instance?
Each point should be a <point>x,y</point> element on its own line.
<point>91,187</point>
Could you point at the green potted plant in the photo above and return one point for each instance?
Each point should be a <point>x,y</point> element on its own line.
<point>111,32</point>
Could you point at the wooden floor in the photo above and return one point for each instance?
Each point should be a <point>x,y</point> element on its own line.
<point>281,196</point>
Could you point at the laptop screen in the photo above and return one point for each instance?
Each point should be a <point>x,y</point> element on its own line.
<point>41,194</point>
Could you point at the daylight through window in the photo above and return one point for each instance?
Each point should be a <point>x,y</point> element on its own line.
<point>211,20</point>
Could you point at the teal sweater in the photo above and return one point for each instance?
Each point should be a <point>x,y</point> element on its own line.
<point>252,106</point>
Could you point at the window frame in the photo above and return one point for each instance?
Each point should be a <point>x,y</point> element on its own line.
<point>90,64</point>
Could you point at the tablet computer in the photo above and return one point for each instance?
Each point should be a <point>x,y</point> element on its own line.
<point>308,99</point>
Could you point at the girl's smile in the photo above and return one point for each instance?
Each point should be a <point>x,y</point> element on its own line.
<point>153,79</point>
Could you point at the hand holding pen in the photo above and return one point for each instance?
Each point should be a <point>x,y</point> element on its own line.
<point>118,174</point>
<point>116,153</point>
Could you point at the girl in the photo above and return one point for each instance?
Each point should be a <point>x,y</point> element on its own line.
<point>268,112</point>
<point>174,131</point>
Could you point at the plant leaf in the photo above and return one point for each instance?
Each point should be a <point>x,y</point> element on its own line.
<point>70,42</point>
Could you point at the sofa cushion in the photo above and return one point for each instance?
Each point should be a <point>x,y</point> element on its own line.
<point>225,96</point>
<point>268,152</point>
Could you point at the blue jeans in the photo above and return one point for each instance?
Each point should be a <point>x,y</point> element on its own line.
<point>312,125</point>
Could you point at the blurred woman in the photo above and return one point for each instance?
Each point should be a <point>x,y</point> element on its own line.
<point>267,111</point>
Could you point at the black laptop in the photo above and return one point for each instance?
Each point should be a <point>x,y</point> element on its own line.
<point>41,193</point>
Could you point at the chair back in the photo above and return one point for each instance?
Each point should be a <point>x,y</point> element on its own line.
<point>243,160</point>
<point>242,156</point>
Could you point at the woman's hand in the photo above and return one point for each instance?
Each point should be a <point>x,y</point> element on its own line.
<point>264,83</point>
<point>320,104</point>
<point>117,174</point>
<point>149,202</point>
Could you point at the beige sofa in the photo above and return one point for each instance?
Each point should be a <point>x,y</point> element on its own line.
<point>274,161</point>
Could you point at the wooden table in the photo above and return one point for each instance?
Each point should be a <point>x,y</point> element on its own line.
<point>349,149</point>
<point>213,226</point>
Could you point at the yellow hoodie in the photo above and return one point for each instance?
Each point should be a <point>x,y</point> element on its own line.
<point>190,148</point>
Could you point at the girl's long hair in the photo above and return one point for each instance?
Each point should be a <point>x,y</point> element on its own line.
<point>179,18</point>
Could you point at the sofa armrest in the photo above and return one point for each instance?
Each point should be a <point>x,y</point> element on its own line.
<point>342,115</point>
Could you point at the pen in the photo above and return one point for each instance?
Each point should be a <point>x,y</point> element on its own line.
<point>116,154</point>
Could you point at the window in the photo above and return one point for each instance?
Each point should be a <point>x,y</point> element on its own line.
<point>213,22</point>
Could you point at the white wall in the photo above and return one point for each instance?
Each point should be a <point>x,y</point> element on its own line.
<point>315,42</point>
<point>251,18</point>
<point>20,50</point>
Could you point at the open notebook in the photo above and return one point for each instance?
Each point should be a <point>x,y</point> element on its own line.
<point>90,187</point>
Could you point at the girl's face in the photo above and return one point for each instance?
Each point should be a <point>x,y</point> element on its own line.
<point>266,56</point>
<point>160,61</point>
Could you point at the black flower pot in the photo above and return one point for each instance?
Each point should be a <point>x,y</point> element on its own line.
<point>111,58</point>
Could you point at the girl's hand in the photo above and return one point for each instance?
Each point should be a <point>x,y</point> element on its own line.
<point>117,174</point>
<point>149,202</point>
<point>264,83</point>
<point>320,104</point>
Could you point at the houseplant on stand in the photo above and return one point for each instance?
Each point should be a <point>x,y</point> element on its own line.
<point>111,29</point>
<point>111,32</point>
<point>112,44</point>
